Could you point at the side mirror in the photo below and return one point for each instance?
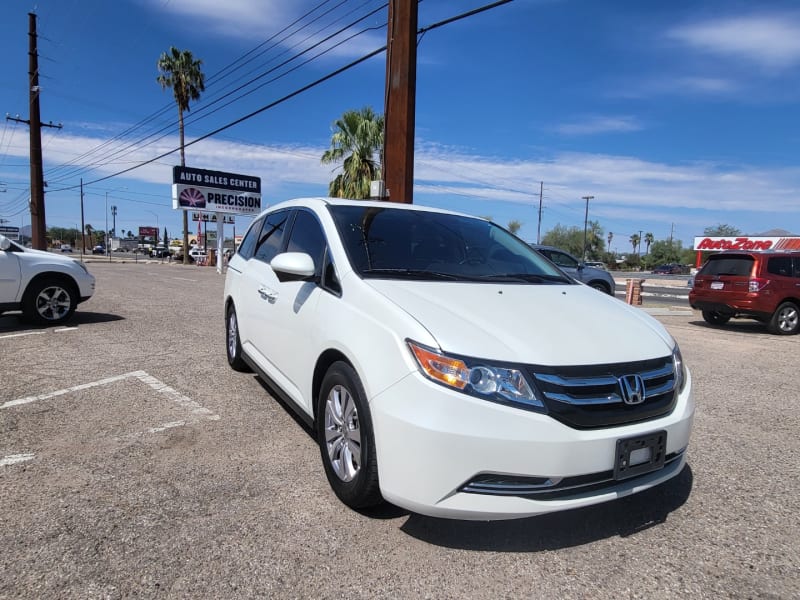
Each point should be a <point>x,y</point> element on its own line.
<point>5,243</point>
<point>293,266</point>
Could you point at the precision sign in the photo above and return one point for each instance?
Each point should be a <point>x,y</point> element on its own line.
<point>215,191</point>
<point>11,233</point>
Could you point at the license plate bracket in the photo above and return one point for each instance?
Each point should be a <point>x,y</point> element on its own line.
<point>640,454</point>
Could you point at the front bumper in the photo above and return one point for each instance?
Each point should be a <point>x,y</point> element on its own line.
<point>432,441</point>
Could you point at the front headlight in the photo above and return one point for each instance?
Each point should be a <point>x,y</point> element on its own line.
<point>476,378</point>
<point>680,368</point>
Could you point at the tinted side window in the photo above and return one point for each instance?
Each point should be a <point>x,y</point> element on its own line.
<point>797,266</point>
<point>248,244</point>
<point>270,241</point>
<point>307,237</point>
<point>562,260</point>
<point>780,265</point>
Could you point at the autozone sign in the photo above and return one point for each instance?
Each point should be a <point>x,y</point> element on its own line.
<point>744,242</point>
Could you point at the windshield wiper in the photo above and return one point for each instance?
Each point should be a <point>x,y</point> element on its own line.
<point>527,278</point>
<point>411,274</point>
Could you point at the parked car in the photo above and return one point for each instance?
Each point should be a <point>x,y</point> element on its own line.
<point>46,287</point>
<point>670,269</point>
<point>99,249</point>
<point>447,367</point>
<point>197,254</point>
<point>764,286</point>
<point>66,248</point>
<point>596,264</point>
<point>598,279</point>
<point>159,252</point>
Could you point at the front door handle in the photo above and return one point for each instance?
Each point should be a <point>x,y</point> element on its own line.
<point>267,294</point>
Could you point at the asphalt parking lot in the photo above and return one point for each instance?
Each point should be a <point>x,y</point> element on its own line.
<point>134,462</point>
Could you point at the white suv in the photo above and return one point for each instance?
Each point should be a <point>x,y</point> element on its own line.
<point>46,287</point>
<point>449,368</point>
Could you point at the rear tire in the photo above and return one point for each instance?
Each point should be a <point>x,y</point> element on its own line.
<point>49,301</point>
<point>346,440</point>
<point>233,344</point>
<point>712,317</point>
<point>786,319</point>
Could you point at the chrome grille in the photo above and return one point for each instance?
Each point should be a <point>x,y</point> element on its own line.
<point>591,396</point>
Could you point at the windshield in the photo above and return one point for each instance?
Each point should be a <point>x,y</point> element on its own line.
<point>397,243</point>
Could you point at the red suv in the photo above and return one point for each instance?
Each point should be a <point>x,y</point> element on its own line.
<point>759,285</point>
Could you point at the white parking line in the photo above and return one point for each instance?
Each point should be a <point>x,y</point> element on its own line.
<point>196,412</point>
<point>13,335</point>
<point>13,459</point>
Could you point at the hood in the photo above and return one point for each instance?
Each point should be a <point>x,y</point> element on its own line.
<point>50,256</point>
<point>536,324</point>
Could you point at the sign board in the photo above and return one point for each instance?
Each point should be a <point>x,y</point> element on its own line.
<point>748,243</point>
<point>11,233</point>
<point>215,191</point>
<point>148,231</point>
<point>212,218</point>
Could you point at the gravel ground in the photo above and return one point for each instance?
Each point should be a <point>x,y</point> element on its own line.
<point>145,467</point>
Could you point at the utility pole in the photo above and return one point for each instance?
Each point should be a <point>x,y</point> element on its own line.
<point>401,86</point>
<point>83,225</point>
<point>539,227</point>
<point>38,222</point>
<point>586,223</point>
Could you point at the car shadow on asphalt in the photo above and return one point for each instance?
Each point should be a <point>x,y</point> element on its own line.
<point>624,517</point>
<point>12,322</point>
<point>738,325</point>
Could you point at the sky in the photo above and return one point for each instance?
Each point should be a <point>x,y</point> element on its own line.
<point>673,116</point>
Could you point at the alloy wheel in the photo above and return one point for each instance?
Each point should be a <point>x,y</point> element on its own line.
<point>342,433</point>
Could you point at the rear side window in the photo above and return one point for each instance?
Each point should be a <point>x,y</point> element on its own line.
<point>780,265</point>
<point>739,266</point>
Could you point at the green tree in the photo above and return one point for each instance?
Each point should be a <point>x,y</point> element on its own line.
<point>514,226</point>
<point>356,142</point>
<point>180,71</point>
<point>722,230</point>
<point>634,239</point>
<point>648,241</point>
<point>571,240</point>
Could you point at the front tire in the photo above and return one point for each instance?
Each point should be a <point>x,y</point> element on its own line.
<point>786,319</point>
<point>346,440</point>
<point>712,317</point>
<point>601,287</point>
<point>49,301</point>
<point>233,344</point>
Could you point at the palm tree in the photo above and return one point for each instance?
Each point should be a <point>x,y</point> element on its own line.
<point>635,241</point>
<point>648,239</point>
<point>180,71</point>
<point>356,142</point>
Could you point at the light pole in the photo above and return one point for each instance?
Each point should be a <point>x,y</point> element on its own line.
<point>585,223</point>
<point>108,252</point>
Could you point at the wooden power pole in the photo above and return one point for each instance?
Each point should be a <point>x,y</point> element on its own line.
<point>38,222</point>
<point>401,87</point>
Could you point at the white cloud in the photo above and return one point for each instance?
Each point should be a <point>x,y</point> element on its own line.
<point>771,41</point>
<point>596,125</point>
<point>260,20</point>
